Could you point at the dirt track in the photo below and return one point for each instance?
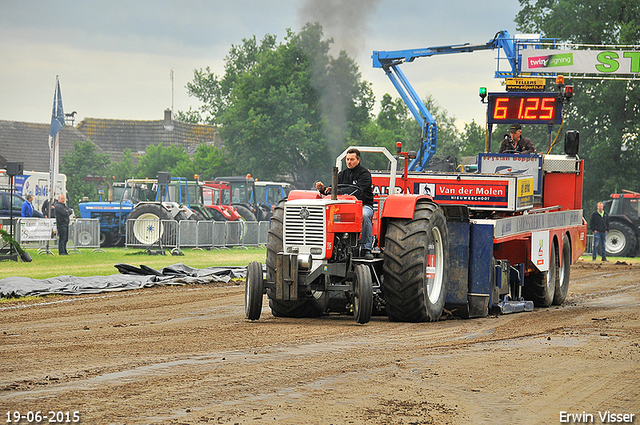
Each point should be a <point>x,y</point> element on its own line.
<point>185,355</point>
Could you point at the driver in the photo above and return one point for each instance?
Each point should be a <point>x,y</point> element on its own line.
<point>516,142</point>
<point>356,175</point>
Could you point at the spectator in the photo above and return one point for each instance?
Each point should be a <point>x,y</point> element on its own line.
<point>62,213</point>
<point>600,226</point>
<point>27,208</point>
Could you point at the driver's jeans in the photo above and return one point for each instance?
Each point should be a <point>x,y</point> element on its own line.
<point>367,227</point>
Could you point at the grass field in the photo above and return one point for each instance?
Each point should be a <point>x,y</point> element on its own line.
<point>89,263</point>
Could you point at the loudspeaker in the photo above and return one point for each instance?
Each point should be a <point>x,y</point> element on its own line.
<point>571,142</point>
<point>164,177</point>
<point>14,168</point>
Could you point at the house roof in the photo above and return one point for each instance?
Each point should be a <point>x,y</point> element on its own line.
<point>28,143</point>
<point>114,136</point>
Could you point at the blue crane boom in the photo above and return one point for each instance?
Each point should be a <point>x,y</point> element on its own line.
<point>389,61</point>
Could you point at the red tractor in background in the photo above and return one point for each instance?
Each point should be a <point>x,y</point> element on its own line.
<point>217,197</point>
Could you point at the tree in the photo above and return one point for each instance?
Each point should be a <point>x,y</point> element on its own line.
<point>85,166</point>
<point>285,109</point>
<point>120,171</point>
<point>605,112</point>
<point>473,139</point>
<point>397,125</point>
<point>160,158</point>
<point>208,163</point>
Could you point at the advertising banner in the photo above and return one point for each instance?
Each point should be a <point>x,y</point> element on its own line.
<point>513,164</point>
<point>581,61</point>
<point>37,229</point>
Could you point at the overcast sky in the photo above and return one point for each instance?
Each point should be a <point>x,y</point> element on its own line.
<point>114,58</point>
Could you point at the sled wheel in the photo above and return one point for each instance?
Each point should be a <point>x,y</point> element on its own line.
<point>564,272</point>
<point>541,287</point>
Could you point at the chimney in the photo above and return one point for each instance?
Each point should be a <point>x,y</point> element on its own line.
<point>168,120</point>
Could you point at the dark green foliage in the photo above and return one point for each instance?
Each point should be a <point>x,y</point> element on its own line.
<point>606,112</point>
<point>85,167</point>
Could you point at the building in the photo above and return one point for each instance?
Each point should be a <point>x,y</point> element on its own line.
<point>28,142</point>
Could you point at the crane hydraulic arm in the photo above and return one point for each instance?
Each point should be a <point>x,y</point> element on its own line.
<point>390,61</point>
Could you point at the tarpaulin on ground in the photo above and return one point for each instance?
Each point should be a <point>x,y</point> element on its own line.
<point>130,277</point>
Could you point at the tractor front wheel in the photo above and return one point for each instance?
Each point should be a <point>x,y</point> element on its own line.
<point>253,291</point>
<point>363,294</point>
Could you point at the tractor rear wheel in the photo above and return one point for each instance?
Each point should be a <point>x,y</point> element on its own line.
<point>314,306</point>
<point>541,287</point>
<point>149,228</point>
<point>416,257</point>
<point>217,215</point>
<point>564,273</point>
<point>621,240</point>
<point>245,212</point>
<point>363,294</point>
<point>253,291</point>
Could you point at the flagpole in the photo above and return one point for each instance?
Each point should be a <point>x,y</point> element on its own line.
<point>57,122</point>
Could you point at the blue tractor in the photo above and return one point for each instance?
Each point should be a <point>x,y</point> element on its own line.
<point>133,199</point>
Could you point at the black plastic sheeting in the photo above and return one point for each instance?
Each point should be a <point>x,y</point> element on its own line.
<point>130,277</point>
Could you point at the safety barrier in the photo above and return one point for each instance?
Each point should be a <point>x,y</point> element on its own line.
<point>41,232</point>
<point>195,234</point>
<point>151,232</point>
<point>85,233</point>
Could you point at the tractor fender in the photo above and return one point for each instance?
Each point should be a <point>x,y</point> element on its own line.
<point>397,206</point>
<point>401,206</point>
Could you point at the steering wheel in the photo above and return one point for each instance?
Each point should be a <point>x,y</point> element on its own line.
<point>510,151</point>
<point>349,189</point>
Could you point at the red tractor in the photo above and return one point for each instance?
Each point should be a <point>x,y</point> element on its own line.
<point>475,243</point>
<point>216,196</point>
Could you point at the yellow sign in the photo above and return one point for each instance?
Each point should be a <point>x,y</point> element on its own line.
<point>525,84</point>
<point>525,187</point>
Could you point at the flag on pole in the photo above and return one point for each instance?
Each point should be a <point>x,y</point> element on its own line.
<point>57,122</point>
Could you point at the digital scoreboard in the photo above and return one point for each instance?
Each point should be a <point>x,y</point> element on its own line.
<point>524,108</point>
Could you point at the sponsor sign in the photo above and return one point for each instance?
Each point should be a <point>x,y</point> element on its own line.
<point>487,193</point>
<point>526,84</point>
<point>513,164</point>
<point>581,61</point>
<point>540,250</point>
<point>40,229</point>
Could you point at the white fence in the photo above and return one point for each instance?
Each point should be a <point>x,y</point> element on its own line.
<point>41,232</point>
<point>195,234</point>
<point>85,233</point>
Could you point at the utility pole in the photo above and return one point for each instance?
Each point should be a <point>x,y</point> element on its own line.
<point>172,91</point>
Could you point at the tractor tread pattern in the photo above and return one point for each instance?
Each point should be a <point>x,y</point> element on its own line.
<point>405,261</point>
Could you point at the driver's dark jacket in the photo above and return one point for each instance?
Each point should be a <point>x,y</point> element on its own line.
<point>525,145</point>
<point>361,177</point>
